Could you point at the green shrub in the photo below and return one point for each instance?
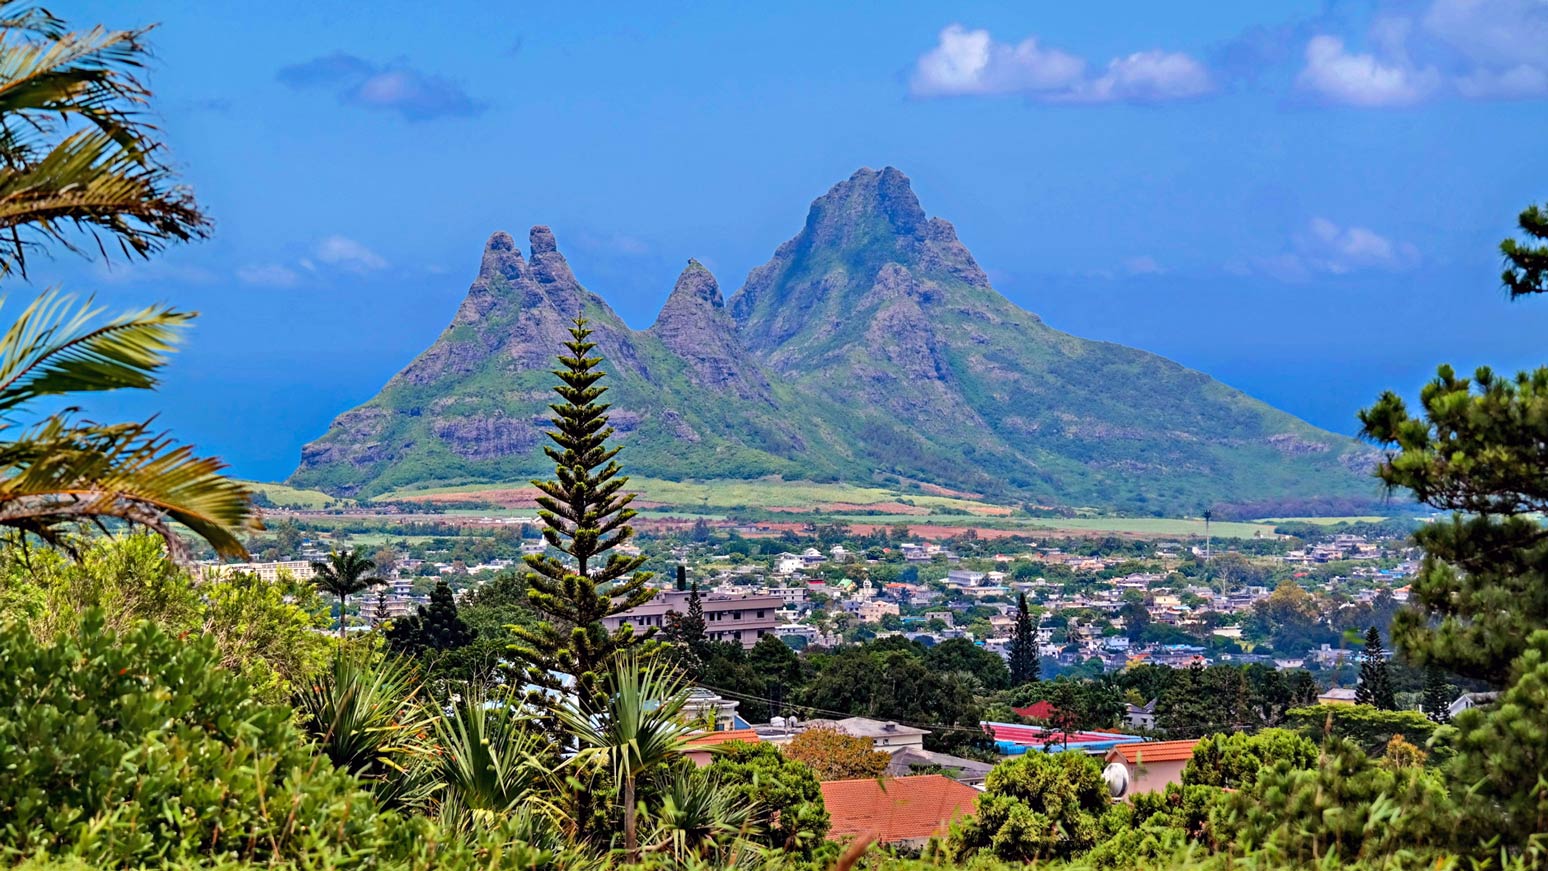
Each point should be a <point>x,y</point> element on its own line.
<point>136,747</point>
<point>1039,806</point>
<point>1232,761</point>
<point>1371,728</point>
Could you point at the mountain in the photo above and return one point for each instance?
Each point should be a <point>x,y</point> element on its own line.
<point>871,349</point>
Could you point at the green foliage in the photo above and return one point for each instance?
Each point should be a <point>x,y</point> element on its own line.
<point>433,629</point>
<point>1502,760</point>
<point>1477,450</point>
<point>1526,262</point>
<point>961,656</point>
<point>1364,726</point>
<point>1375,687</point>
<point>1233,761</point>
<point>887,680</point>
<point>365,717</point>
<point>785,794</point>
<point>1024,661</point>
<point>264,630</point>
<point>585,515</point>
<point>1037,807</point>
<point>135,747</point>
<point>343,574</point>
<point>1437,695</point>
<point>1346,806</point>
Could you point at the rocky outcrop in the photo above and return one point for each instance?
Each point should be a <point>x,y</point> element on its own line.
<point>695,325</point>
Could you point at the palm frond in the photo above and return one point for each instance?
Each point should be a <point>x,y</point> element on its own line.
<point>94,183</point>
<point>62,474</point>
<point>56,347</point>
<point>366,716</point>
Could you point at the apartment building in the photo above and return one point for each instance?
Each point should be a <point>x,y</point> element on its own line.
<point>742,619</point>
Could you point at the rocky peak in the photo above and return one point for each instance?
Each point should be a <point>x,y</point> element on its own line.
<point>850,211</point>
<point>548,265</point>
<point>502,259</point>
<point>695,326</point>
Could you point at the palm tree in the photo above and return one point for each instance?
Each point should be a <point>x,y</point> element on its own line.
<point>639,730</point>
<point>487,764</point>
<point>343,575</point>
<point>78,160</point>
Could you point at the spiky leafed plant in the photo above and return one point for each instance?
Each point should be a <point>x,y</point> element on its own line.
<point>78,160</point>
<point>585,516</point>
<point>639,729</point>
<point>343,574</point>
<point>365,714</point>
<point>698,819</point>
<point>487,762</point>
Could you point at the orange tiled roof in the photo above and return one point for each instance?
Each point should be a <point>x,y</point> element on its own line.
<point>1156,751</point>
<point>710,739</point>
<point>896,808</point>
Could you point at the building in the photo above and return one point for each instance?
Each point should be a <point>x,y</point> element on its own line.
<point>1468,701</point>
<point>1337,696</point>
<point>1141,716</point>
<point>719,714</point>
<point>885,736</point>
<point>698,750</point>
<point>743,619</point>
<point>299,569</point>
<point>905,811</point>
<point>1146,766</point>
<point>911,761</point>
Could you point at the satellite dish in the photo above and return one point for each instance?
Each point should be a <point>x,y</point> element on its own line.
<point>1116,776</point>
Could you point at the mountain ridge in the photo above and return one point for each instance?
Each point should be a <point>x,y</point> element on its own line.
<point>871,347</point>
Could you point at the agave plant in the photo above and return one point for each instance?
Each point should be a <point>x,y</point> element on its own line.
<point>366,717</point>
<point>487,762</point>
<point>639,730</point>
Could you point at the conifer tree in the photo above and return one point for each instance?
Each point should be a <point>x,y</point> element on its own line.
<point>1375,687</point>
<point>1437,695</point>
<point>433,627</point>
<point>1475,447</point>
<point>585,515</point>
<point>1024,665</point>
<point>381,615</point>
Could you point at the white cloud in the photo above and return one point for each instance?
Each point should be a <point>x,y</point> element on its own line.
<point>348,254</point>
<point>1468,49</point>
<point>1325,247</point>
<point>1340,76</point>
<point>968,62</point>
<point>268,275</point>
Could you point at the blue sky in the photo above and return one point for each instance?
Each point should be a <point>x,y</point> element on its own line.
<point>1302,199</point>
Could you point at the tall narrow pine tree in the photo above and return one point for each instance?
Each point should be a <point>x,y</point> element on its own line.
<point>1437,695</point>
<point>585,515</point>
<point>1375,683</point>
<point>1024,665</point>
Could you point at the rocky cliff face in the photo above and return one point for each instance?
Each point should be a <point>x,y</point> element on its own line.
<point>870,346</point>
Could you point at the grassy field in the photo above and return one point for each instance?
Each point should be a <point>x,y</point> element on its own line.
<point>291,497</point>
<point>761,493</point>
<point>1147,526</point>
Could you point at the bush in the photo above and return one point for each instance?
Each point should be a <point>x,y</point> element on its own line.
<point>1233,761</point>
<point>1370,728</point>
<point>1347,806</point>
<point>785,793</point>
<point>136,747</point>
<point>1039,806</point>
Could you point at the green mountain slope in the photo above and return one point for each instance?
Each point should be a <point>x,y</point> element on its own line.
<point>870,348</point>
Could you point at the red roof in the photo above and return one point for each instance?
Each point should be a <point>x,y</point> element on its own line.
<point>1037,711</point>
<point>709,739</point>
<point>1155,751</point>
<point>1032,736</point>
<point>896,808</point>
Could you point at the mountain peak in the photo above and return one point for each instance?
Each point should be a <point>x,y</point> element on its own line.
<point>695,285</point>
<point>548,265</point>
<point>502,258</point>
<point>861,200</point>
